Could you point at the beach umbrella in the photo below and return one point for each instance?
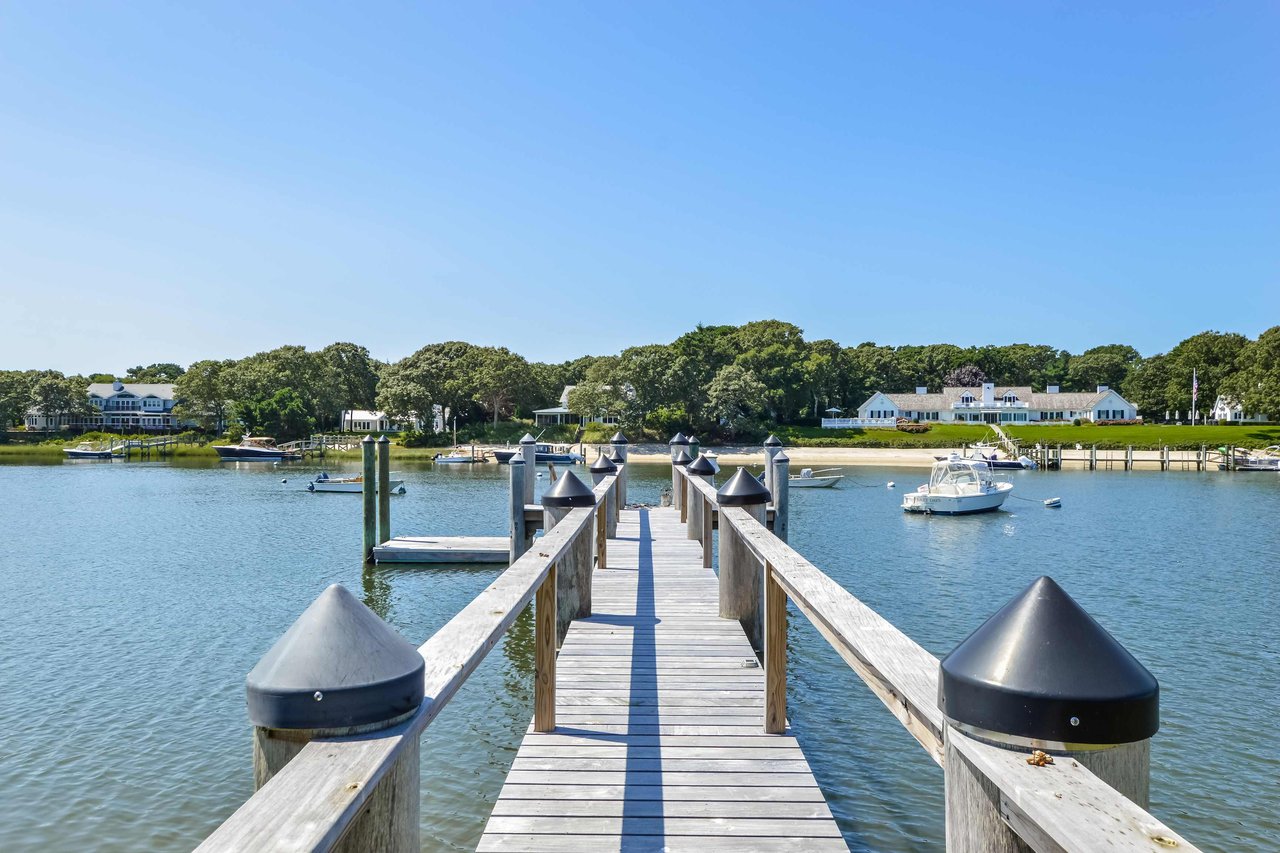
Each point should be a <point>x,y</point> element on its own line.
<point>835,410</point>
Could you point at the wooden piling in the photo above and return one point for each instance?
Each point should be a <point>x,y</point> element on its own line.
<point>772,447</point>
<point>619,445</point>
<point>368,489</point>
<point>518,533</point>
<point>1128,458</point>
<point>775,654</point>
<point>384,490</point>
<point>529,453</point>
<point>781,495</point>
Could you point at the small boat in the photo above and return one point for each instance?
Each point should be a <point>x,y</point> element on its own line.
<point>1267,459</point>
<point>254,449</point>
<point>504,456</point>
<point>458,457</point>
<point>811,479</point>
<point>325,483</point>
<point>958,486</point>
<point>85,450</point>
<point>986,453</point>
<point>558,454</point>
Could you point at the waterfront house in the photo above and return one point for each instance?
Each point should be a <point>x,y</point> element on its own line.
<point>991,404</point>
<point>1226,408</point>
<point>561,415</point>
<point>126,407</point>
<point>366,420</point>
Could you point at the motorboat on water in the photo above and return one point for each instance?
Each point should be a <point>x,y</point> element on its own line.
<point>958,486</point>
<point>324,483</point>
<point>987,453</point>
<point>86,450</point>
<point>255,449</point>
<point>557,454</point>
<point>811,479</point>
<point>1267,459</point>
<point>459,456</point>
<point>504,456</point>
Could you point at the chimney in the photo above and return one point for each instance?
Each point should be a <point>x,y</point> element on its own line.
<point>922,389</point>
<point>1102,388</point>
<point>1052,389</point>
<point>988,393</point>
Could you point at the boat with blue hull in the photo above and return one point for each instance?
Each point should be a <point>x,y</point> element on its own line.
<point>255,449</point>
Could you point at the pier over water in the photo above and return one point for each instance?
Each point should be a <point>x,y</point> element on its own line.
<point>659,718</point>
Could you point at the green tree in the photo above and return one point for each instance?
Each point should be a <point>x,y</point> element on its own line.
<point>351,379</point>
<point>15,395</point>
<point>824,373</point>
<point>736,397</point>
<point>1146,386</point>
<point>437,374</point>
<point>500,378</point>
<point>1105,365</point>
<point>965,376</point>
<point>1255,385</point>
<point>201,394</point>
<point>1212,356</point>
<point>160,372</point>
<point>55,396</point>
<point>774,352</point>
<point>284,414</point>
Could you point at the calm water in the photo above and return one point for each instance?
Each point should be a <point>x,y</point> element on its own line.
<point>135,597</point>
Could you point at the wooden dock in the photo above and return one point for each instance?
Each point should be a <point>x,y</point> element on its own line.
<point>444,549</point>
<point>658,742</point>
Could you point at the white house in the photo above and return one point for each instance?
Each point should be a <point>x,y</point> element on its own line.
<point>561,415</point>
<point>118,407</point>
<point>996,405</point>
<point>1227,409</point>
<point>365,420</point>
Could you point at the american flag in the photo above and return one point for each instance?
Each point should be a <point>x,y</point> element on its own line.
<point>1195,388</point>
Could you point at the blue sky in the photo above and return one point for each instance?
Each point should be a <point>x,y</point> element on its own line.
<point>186,181</point>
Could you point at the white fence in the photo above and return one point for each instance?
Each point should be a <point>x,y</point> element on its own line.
<point>855,423</point>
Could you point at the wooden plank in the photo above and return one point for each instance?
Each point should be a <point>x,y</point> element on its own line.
<point>660,740</point>
<point>544,668</point>
<point>1063,806</point>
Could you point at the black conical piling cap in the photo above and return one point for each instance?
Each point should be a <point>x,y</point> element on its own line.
<point>616,458</point>
<point>528,439</point>
<point>678,439</point>
<point>773,441</point>
<point>338,666</point>
<point>602,465</point>
<point>619,438</point>
<point>742,490</point>
<point>682,458</point>
<point>569,491</point>
<point>702,467</point>
<point>1042,668</point>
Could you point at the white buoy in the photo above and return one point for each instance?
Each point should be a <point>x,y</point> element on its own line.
<point>890,486</point>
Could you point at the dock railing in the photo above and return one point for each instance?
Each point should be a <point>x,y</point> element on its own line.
<point>336,791</point>
<point>995,798</point>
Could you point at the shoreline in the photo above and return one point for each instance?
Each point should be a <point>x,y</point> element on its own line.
<point>801,457</point>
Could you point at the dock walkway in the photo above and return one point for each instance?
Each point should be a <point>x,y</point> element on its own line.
<point>658,742</point>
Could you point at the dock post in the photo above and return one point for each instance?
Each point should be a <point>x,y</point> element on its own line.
<point>1201,459</point>
<point>529,453</point>
<point>600,469</point>
<point>679,447</point>
<point>775,654</point>
<point>384,489</point>
<point>740,575</point>
<point>700,467</point>
<point>772,447</point>
<point>1128,458</point>
<point>619,444</point>
<point>1231,458</point>
<point>1042,674</point>
<point>573,573</point>
<point>781,495</point>
<point>545,641</point>
<point>340,671</point>
<point>695,447</point>
<point>368,484</point>
<point>1093,458</point>
<point>680,488</point>
<point>519,537</point>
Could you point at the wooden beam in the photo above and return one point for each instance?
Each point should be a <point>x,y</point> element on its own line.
<point>775,654</point>
<point>544,667</point>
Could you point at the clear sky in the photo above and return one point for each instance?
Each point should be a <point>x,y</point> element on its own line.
<point>206,180</point>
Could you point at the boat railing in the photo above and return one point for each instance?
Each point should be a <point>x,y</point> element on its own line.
<point>1071,809</point>
<point>313,802</point>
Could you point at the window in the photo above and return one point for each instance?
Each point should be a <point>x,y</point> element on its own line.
<point>966,398</point>
<point>1010,397</point>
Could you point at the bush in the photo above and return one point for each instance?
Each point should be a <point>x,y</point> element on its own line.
<point>1126,422</point>
<point>913,428</point>
<point>1075,422</point>
<point>598,433</point>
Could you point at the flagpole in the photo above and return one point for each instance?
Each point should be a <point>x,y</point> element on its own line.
<point>1195,394</point>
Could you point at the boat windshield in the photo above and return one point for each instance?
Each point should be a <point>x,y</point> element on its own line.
<point>960,474</point>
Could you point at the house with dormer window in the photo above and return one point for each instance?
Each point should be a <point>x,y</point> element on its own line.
<point>994,405</point>
<point>125,407</point>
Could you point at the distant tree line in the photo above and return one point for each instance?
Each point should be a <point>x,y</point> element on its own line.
<point>716,380</point>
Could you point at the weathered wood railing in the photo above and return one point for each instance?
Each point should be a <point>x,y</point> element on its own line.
<point>316,800</point>
<point>1017,805</point>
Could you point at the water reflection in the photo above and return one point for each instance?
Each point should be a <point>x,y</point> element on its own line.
<point>377,590</point>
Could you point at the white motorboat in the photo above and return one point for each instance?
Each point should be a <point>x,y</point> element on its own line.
<point>255,448</point>
<point>958,487</point>
<point>85,450</point>
<point>325,483</point>
<point>811,479</point>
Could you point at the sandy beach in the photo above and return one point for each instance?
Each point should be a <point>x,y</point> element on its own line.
<point>801,457</point>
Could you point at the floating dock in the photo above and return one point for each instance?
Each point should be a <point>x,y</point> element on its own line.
<point>444,549</point>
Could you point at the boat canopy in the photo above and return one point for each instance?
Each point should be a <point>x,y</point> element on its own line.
<point>959,472</point>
